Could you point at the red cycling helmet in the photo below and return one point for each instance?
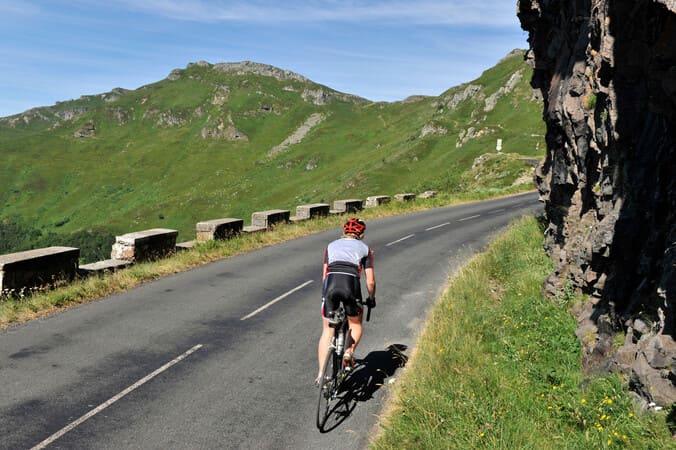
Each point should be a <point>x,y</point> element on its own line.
<point>354,226</point>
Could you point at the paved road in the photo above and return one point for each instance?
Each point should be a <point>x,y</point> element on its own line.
<point>197,360</point>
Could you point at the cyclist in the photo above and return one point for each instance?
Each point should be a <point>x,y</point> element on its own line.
<point>344,260</point>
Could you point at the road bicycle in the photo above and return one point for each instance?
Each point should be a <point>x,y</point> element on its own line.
<point>334,372</point>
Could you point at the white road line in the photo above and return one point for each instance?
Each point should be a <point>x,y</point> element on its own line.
<point>112,400</point>
<point>468,218</point>
<point>438,226</point>
<point>272,302</point>
<point>497,211</point>
<point>399,240</point>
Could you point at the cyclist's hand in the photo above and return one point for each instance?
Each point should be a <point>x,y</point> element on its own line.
<point>371,302</point>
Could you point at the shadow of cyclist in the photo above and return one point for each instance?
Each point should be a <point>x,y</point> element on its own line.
<point>369,375</point>
<point>373,371</point>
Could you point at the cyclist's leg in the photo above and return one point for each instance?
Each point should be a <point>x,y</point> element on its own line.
<point>328,305</point>
<point>355,315</point>
<point>356,330</point>
<point>324,341</point>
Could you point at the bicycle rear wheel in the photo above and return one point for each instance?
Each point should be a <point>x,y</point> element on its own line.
<point>328,388</point>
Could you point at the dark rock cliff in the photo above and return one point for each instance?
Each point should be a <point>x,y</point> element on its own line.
<point>607,72</point>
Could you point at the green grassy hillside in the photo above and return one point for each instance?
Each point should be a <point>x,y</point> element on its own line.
<point>204,143</point>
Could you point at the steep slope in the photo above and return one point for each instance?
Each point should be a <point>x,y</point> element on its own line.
<point>216,140</point>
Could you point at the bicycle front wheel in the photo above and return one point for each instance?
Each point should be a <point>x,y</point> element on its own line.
<point>328,388</point>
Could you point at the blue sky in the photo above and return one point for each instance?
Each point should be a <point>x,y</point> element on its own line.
<point>54,50</point>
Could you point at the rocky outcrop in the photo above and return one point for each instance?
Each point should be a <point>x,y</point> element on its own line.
<point>316,96</point>
<point>175,75</point>
<point>28,117</point>
<point>492,100</point>
<point>71,114</point>
<point>224,131</point>
<point>120,115</point>
<point>433,129</point>
<point>607,73</point>
<point>249,67</point>
<point>87,130</point>
<point>221,95</point>
<point>166,119</point>
<point>471,91</point>
<point>471,133</point>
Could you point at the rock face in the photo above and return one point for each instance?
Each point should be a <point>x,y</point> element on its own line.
<point>509,87</point>
<point>224,131</point>
<point>247,67</point>
<point>86,131</point>
<point>607,73</point>
<point>433,129</point>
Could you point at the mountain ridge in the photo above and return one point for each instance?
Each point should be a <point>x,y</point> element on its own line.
<point>237,67</point>
<point>214,141</point>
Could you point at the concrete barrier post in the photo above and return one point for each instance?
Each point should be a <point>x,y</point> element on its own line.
<point>268,219</point>
<point>347,206</point>
<point>377,200</point>
<point>144,245</point>
<point>428,194</point>
<point>407,197</point>
<point>306,212</point>
<point>39,267</point>
<point>218,229</point>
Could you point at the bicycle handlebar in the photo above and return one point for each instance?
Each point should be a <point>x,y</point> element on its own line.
<point>368,305</point>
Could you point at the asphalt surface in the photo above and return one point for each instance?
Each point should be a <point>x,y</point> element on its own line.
<point>224,356</point>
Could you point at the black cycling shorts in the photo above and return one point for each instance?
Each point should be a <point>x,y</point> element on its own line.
<point>340,287</point>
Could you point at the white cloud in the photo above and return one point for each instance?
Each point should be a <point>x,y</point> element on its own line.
<point>454,12</point>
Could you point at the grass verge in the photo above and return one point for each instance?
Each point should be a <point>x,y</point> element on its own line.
<point>498,366</point>
<point>43,302</point>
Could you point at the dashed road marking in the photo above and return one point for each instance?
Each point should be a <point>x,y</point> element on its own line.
<point>272,302</point>
<point>399,240</point>
<point>468,218</point>
<point>437,226</point>
<point>115,398</point>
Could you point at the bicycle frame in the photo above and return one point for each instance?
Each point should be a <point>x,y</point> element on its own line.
<point>339,323</point>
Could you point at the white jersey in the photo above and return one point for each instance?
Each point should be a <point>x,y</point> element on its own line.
<point>348,254</point>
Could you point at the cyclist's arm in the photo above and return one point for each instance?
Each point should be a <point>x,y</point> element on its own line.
<point>370,281</point>
<point>325,267</point>
<point>369,273</point>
